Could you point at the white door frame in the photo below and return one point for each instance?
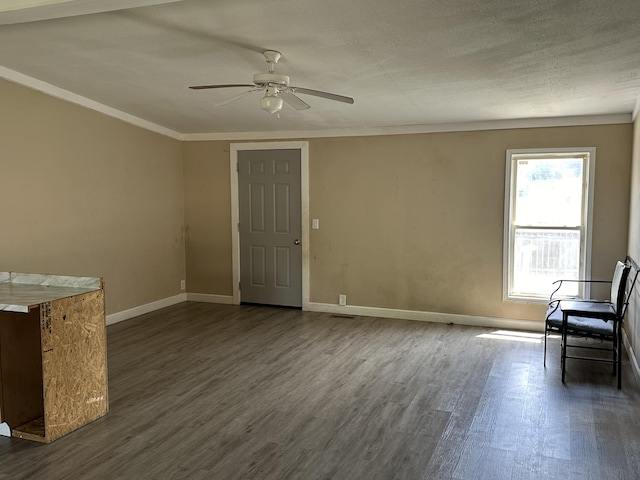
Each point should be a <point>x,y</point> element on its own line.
<point>235,209</point>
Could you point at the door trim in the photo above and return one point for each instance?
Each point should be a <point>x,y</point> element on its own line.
<point>235,209</point>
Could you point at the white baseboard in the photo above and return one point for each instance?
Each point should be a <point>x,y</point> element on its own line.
<point>632,355</point>
<point>142,309</point>
<point>471,320</point>
<point>209,298</point>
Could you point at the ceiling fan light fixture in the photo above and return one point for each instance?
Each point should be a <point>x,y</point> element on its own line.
<point>271,103</point>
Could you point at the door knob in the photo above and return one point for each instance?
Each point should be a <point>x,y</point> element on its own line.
<point>296,242</point>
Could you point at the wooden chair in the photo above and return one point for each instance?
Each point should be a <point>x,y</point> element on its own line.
<point>592,318</point>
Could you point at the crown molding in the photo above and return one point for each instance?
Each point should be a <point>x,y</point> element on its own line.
<point>21,11</point>
<point>416,129</point>
<point>571,121</point>
<point>57,92</point>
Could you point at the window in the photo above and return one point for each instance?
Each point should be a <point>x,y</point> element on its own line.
<point>547,221</point>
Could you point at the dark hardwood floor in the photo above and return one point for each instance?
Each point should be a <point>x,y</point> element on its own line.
<point>203,391</point>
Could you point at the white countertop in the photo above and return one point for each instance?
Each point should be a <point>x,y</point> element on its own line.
<point>21,291</point>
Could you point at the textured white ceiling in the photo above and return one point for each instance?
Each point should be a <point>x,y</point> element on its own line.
<point>405,63</point>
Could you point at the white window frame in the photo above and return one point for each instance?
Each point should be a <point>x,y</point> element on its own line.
<point>509,212</point>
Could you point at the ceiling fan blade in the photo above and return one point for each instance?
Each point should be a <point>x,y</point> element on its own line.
<point>204,87</point>
<point>318,93</point>
<point>294,101</point>
<point>236,97</point>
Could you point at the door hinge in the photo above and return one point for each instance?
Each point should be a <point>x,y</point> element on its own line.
<point>238,226</point>
<point>239,285</point>
<point>237,166</point>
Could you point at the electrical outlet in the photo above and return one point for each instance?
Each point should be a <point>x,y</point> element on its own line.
<point>342,300</point>
<point>183,285</point>
<point>315,224</point>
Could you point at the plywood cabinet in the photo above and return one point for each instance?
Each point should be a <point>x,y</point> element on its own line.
<point>53,370</point>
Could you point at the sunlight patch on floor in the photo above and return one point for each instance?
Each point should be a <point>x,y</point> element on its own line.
<point>514,335</point>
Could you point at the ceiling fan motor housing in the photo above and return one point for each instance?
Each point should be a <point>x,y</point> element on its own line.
<point>270,78</point>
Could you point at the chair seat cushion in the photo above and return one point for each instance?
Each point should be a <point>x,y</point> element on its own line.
<point>579,325</point>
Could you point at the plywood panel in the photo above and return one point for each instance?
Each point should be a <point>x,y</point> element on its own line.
<point>74,365</point>
<point>33,430</point>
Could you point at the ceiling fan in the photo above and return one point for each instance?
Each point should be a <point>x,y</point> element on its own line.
<point>277,89</point>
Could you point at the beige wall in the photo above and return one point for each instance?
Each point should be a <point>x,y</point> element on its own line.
<point>85,194</point>
<point>633,316</point>
<point>208,217</point>
<point>409,222</point>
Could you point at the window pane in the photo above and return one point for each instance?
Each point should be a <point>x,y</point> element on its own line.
<point>544,256</point>
<point>549,192</point>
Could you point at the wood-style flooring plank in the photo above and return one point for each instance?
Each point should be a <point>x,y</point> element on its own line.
<point>204,391</point>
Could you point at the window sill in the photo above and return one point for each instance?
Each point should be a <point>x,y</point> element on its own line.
<point>531,300</point>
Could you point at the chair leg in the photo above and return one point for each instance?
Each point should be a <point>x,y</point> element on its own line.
<point>619,354</point>
<point>616,348</point>
<point>544,361</point>
<point>563,359</point>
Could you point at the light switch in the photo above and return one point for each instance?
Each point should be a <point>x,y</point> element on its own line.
<point>315,224</point>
